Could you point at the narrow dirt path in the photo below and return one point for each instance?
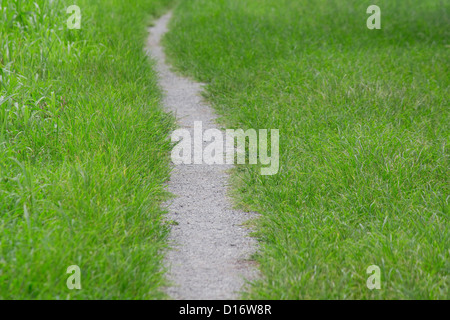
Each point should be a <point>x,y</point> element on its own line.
<point>210,247</point>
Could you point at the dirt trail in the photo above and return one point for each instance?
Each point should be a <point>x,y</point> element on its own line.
<point>210,247</point>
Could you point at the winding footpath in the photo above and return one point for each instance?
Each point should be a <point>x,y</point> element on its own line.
<point>210,247</point>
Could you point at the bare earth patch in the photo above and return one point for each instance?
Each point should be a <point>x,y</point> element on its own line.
<point>210,246</point>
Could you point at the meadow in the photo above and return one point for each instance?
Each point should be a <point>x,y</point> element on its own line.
<point>83,151</point>
<point>364,131</point>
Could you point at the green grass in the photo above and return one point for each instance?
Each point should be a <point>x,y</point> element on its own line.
<point>364,133</point>
<point>83,151</point>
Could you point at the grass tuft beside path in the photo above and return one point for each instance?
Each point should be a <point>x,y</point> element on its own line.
<point>83,151</point>
<point>364,125</point>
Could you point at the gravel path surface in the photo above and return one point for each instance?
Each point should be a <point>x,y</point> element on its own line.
<point>210,247</point>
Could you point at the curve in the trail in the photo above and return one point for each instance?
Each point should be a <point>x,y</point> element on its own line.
<point>211,248</point>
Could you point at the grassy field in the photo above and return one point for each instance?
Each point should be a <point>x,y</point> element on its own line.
<point>364,132</point>
<point>83,151</point>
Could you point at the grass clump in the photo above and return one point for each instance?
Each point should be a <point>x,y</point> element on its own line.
<point>83,151</point>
